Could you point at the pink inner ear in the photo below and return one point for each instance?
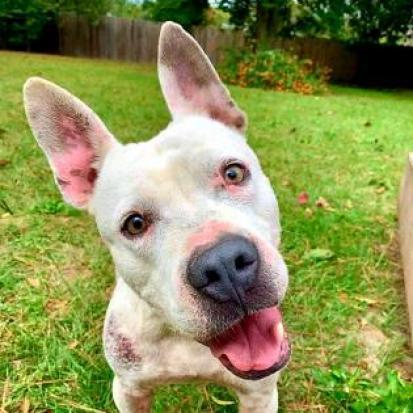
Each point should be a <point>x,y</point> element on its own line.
<point>185,97</point>
<point>74,164</point>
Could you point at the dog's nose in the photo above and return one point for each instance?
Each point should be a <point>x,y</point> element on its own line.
<point>225,271</point>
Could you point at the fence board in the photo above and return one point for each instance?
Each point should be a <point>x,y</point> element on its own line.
<point>132,40</point>
<point>406,235</point>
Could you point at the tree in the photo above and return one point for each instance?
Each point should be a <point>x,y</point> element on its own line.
<point>371,21</point>
<point>23,22</point>
<point>385,20</point>
<point>261,18</point>
<point>126,8</point>
<point>185,12</point>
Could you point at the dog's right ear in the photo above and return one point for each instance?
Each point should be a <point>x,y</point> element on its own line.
<point>190,83</point>
<point>72,136</point>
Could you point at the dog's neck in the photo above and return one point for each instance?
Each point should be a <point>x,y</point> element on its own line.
<point>132,310</point>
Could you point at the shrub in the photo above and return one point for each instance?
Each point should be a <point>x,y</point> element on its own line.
<point>274,69</point>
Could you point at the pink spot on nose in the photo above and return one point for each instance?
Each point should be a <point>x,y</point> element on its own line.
<point>268,253</point>
<point>208,234</point>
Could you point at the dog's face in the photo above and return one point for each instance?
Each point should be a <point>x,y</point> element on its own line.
<point>189,217</point>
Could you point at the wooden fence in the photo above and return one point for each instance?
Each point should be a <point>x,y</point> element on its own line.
<point>137,40</point>
<point>132,40</point>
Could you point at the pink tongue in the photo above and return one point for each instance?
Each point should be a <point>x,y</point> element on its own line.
<point>252,344</point>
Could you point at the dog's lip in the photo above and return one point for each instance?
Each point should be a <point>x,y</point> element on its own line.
<point>249,345</point>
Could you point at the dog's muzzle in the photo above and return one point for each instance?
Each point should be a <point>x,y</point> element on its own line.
<point>226,274</point>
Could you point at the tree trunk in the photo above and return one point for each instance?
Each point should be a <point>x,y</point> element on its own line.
<point>270,19</point>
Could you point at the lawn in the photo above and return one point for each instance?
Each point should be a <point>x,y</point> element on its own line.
<point>345,309</point>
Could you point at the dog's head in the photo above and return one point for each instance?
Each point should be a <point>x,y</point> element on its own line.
<point>189,217</point>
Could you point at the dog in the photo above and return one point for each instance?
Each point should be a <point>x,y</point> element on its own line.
<point>192,224</point>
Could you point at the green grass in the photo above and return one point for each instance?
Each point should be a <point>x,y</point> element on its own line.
<point>55,275</point>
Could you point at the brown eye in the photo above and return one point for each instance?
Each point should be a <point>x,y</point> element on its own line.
<point>235,173</point>
<point>134,225</point>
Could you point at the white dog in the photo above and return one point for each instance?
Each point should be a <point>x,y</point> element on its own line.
<point>192,225</point>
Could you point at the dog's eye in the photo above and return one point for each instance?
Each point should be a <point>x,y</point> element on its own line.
<point>235,173</point>
<point>134,225</point>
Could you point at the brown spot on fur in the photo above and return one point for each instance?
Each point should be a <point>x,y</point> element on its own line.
<point>121,347</point>
<point>239,122</point>
<point>228,117</point>
<point>92,175</point>
<point>75,172</point>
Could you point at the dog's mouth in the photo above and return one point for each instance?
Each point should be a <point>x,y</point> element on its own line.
<point>255,347</point>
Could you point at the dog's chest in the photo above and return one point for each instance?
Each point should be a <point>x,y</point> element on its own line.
<point>167,360</point>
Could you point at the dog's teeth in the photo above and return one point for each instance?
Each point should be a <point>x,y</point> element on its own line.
<point>280,330</point>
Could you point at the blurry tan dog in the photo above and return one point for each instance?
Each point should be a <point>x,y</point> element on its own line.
<point>192,225</point>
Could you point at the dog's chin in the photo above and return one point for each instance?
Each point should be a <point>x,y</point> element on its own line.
<point>254,347</point>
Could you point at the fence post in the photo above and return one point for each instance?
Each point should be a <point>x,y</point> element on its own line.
<point>406,236</point>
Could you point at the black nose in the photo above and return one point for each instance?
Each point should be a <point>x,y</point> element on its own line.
<point>225,271</point>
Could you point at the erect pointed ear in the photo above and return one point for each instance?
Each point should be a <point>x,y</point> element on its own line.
<point>72,136</point>
<point>190,83</point>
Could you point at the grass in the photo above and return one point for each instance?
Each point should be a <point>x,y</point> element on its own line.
<point>345,310</point>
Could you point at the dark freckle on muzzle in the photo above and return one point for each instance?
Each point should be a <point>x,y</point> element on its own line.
<point>226,271</point>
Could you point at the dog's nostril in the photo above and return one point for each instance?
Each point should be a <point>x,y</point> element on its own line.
<point>242,262</point>
<point>212,276</point>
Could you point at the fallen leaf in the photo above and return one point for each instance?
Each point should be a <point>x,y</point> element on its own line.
<point>343,297</point>
<point>56,306</point>
<point>318,254</point>
<point>380,190</point>
<point>73,344</point>
<point>4,162</point>
<point>25,406</point>
<point>303,198</point>
<point>374,342</point>
<point>322,203</point>
<point>33,282</point>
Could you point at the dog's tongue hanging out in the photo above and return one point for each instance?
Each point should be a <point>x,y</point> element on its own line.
<point>256,343</point>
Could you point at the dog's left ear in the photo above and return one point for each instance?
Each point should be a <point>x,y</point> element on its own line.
<point>190,83</point>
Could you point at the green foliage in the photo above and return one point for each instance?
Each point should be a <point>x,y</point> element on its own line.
<point>273,69</point>
<point>240,11</point>
<point>386,20</point>
<point>353,393</point>
<point>185,12</point>
<point>22,22</point>
<point>359,21</point>
<point>126,8</point>
<point>92,9</point>
<point>54,207</point>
